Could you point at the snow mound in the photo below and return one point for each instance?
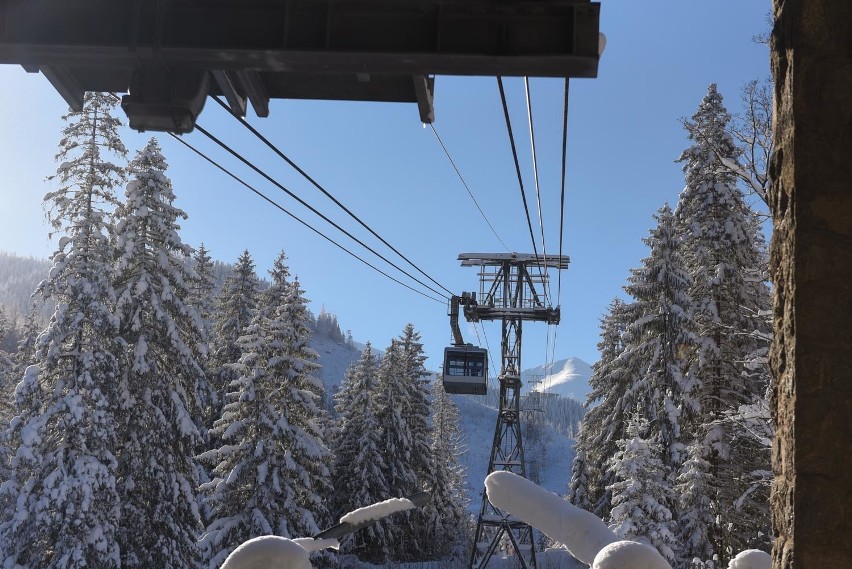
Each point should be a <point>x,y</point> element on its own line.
<point>751,559</point>
<point>268,552</point>
<point>629,555</point>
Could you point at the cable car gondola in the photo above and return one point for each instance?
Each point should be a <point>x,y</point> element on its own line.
<point>465,370</point>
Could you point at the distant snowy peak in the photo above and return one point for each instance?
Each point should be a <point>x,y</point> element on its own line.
<point>568,378</point>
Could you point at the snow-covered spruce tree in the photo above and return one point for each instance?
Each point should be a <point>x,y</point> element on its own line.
<point>359,468</point>
<point>7,387</point>
<point>394,406</point>
<point>307,416</point>
<point>271,472</point>
<point>25,356</point>
<point>660,339</point>
<point>201,298</point>
<point>7,382</point>
<point>604,422</point>
<point>235,307</point>
<point>751,431</point>
<point>63,437</point>
<point>579,485</point>
<point>722,251</point>
<point>656,342</point>
<point>413,376</point>
<point>696,516</point>
<point>158,406</point>
<point>447,517</point>
<point>202,289</point>
<point>642,491</point>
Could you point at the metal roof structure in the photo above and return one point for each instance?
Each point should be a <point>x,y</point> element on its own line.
<point>169,55</point>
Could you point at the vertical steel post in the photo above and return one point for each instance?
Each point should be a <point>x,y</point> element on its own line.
<point>508,295</point>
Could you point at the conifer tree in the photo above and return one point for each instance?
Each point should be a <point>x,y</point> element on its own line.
<point>7,386</point>
<point>660,339</point>
<point>396,443</point>
<point>202,288</point>
<point>25,356</point>
<point>236,304</point>
<point>579,491</point>
<point>157,473</point>
<point>63,437</point>
<point>446,514</point>
<point>7,382</point>
<point>271,472</point>
<point>359,468</point>
<point>696,514</point>
<point>603,425</point>
<point>642,491</point>
<point>412,375</point>
<point>201,296</point>
<point>722,250</point>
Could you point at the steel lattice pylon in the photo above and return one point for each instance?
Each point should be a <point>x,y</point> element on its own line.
<point>508,293</point>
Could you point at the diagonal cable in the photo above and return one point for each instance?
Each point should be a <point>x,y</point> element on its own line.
<point>518,171</point>
<point>545,284</point>
<point>562,196</point>
<point>488,348</point>
<point>476,203</point>
<point>278,206</point>
<point>327,194</point>
<point>325,218</point>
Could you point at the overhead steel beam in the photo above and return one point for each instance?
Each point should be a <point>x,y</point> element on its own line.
<point>305,49</point>
<point>65,84</point>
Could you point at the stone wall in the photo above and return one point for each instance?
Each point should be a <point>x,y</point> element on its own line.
<point>811,267</point>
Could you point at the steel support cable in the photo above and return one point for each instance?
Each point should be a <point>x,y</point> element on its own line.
<point>561,210</point>
<point>253,167</point>
<point>552,356</point>
<point>476,203</point>
<point>281,208</point>
<point>487,347</point>
<point>562,196</point>
<point>545,284</point>
<point>325,218</point>
<point>518,171</point>
<point>325,192</point>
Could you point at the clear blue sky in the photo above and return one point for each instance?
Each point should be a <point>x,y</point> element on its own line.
<point>624,137</point>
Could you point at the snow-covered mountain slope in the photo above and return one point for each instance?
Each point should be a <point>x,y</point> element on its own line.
<point>477,424</point>
<point>334,357</point>
<point>568,378</point>
<point>553,448</point>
